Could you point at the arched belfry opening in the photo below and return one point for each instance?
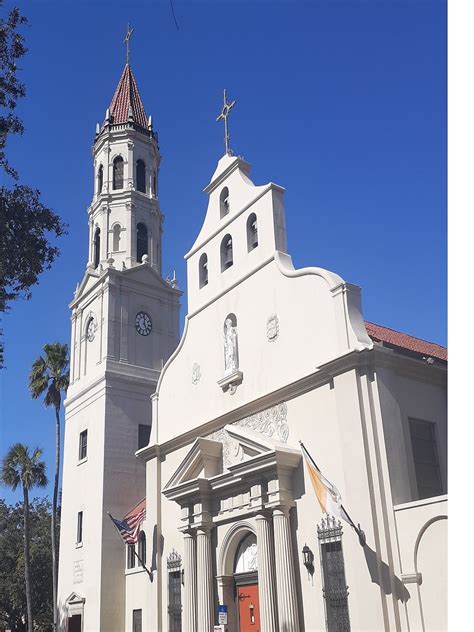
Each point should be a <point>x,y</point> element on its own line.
<point>141,176</point>
<point>142,241</point>
<point>96,247</point>
<point>117,179</point>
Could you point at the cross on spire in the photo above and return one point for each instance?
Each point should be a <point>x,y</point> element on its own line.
<point>223,116</point>
<point>126,41</point>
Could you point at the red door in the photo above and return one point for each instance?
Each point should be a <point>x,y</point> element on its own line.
<point>249,611</point>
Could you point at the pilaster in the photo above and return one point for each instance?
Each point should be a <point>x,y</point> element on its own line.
<point>189,606</point>
<point>205,600</point>
<point>266,579</point>
<point>285,572</point>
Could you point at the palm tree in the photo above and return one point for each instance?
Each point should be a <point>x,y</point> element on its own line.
<point>21,468</point>
<point>50,376</point>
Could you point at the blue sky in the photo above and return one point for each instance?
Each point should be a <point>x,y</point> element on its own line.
<point>341,102</point>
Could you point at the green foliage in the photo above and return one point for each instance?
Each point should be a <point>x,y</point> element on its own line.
<point>12,563</point>
<point>12,48</point>
<point>26,225</point>
<point>20,468</point>
<point>50,374</point>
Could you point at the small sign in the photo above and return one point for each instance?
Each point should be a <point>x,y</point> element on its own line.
<point>222,612</point>
<point>219,628</point>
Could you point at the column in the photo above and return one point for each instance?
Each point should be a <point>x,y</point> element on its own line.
<point>266,580</point>
<point>189,609</point>
<point>205,601</point>
<point>285,572</point>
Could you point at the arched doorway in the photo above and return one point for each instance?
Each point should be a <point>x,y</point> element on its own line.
<point>246,584</point>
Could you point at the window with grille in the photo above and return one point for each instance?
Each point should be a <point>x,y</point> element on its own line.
<point>83,445</point>
<point>425,456</point>
<point>100,179</point>
<point>174,592</point>
<point>335,590</point>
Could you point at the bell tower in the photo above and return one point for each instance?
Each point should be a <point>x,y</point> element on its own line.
<point>124,326</point>
<point>125,220</point>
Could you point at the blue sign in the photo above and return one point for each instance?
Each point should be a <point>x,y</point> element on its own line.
<point>222,612</point>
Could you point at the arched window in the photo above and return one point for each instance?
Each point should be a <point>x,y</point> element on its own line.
<point>246,560</point>
<point>252,232</point>
<point>226,253</point>
<point>203,274</point>
<point>154,184</point>
<point>100,179</point>
<point>96,247</point>
<point>116,237</point>
<point>118,173</point>
<point>224,201</point>
<point>141,176</point>
<point>142,241</point>
<point>142,548</point>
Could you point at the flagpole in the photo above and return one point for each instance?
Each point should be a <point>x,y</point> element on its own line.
<point>150,575</point>
<point>358,530</point>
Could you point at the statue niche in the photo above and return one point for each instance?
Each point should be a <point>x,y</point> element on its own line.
<point>232,375</point>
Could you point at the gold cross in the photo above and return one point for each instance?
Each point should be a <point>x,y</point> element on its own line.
<point>223,117</point>
<point>127,41</point>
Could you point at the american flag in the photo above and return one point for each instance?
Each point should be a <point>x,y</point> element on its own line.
<point>130,526</point>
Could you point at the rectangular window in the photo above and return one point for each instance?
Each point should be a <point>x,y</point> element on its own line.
<point>83,445</point>
<point>174,601</point>
<point>143,435</point>
<point>425,456</point>
<point>79,527</point>
<point>131,557</point>
<point>137,621</point>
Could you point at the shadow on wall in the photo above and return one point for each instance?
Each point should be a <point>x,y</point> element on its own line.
<point>383,580</point>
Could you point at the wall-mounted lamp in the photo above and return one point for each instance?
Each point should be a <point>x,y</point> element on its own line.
<point>308,559</point>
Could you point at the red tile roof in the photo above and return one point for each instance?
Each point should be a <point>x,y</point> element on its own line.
<point>404,341</point>
<point>126,96</point>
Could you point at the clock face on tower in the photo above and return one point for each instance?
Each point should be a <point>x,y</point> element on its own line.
<point>143,324</point>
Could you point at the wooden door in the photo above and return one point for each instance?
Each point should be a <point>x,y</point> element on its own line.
<point>249,611</point>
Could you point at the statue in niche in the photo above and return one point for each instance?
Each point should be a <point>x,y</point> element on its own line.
<point>230,346</point>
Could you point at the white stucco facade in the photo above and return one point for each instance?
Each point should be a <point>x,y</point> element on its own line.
<point>270,356</point>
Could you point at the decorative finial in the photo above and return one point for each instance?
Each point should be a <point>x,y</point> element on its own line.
<point>126,41</point>
<point>223,116</point>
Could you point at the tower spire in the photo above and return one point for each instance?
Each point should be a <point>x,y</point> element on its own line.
<point>126,41</point>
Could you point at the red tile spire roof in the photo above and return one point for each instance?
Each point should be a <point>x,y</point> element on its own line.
<point>398,339</point>
<point>127,102</point>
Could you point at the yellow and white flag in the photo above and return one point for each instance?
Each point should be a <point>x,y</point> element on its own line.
<point>327,494</point>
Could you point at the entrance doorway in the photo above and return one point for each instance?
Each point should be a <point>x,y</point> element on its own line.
<point>74,623</point>
<point>249,612</point>
<point>246,584</point>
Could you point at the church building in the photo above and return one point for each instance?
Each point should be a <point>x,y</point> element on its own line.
<point>195,441</point>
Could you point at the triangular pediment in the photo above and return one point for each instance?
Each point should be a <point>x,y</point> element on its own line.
<point>203,460</point>
<point>212,455</point>
<point>74,598</point>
